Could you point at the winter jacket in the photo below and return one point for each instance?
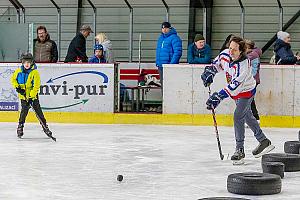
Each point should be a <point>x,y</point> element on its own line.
<point>254,57</point>
<point>108,51</point>
<point>169,48</point>
<point>283,53</point>
<point>45,51</point>
<point>199,56</point>
<point>95,59</point>
<point>29,80</point>
<point>77,49</point>
<point>241,83</point>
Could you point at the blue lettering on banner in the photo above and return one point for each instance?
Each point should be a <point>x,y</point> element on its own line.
<point>9,106</point>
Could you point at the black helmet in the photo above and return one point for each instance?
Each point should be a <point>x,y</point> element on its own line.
<point>27,57</point>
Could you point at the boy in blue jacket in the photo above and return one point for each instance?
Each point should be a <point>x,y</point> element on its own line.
<point>98,57</point>
<point>26,81</point>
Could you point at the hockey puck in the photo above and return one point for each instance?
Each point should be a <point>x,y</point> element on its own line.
<point>120,178</point>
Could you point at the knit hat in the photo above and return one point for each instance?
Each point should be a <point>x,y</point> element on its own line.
<point>165,25</point>
<point>199,37</point>
<point>282,35</point>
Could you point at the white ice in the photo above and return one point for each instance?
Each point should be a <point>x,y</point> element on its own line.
<point>157,162</point>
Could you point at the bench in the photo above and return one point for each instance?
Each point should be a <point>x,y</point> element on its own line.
<point>132,76</point>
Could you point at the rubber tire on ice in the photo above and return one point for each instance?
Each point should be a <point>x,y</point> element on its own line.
<point>223,198</point>
<point>291,161</point>
<point>254,183</point>
<point>273,168</point>
<point>292,147</point>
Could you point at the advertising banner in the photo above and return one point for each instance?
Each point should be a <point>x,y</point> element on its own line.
<point>67,87</point>
<point>8,96</point>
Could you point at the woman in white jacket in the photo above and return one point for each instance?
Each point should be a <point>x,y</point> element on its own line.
<point>102,39</point>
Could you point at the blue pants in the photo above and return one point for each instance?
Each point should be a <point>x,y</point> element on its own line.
<point>244,114</point>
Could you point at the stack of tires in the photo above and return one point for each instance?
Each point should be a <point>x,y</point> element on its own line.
<point>274,165</point>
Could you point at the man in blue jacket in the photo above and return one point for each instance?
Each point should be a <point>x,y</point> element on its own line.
<point>169,48</point>
<point>198,51</point>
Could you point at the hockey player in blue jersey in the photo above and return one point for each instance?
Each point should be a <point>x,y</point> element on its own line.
<point>241,87</point>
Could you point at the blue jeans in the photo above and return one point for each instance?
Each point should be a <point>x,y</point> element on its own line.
<point>244,114</point>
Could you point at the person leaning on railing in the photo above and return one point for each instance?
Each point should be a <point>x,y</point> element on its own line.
<point>199,52</point>
<point>45,49</point>
<point>282,48</point>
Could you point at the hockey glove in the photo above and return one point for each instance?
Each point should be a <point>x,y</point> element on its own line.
<point>20,91</point>
<point>214,100</point>
<point>208,75</point>
<point>30,101</point>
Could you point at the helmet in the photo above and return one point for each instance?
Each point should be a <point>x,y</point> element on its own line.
<point>98,47</point>
<point>27,57</point>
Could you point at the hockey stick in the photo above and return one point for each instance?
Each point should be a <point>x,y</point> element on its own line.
<point>43,125</point>
<point>216,127</point>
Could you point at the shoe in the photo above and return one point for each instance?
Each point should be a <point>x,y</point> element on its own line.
<point>20,132</point>
<point>264,147</point>
<point>159,109</point>
<point>238,157</point>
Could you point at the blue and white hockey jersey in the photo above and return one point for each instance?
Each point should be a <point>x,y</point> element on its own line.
<point>241,83</point>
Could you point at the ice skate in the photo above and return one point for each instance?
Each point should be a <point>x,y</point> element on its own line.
<point>20,132</point>
<point>264,147</point>
<point>238,157</point>
<point>47,131</point>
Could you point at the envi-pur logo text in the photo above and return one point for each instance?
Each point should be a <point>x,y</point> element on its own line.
<point>76,91</point>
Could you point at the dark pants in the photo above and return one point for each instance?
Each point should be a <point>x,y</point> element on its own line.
<point>254,110</point>
<point>25,108</point>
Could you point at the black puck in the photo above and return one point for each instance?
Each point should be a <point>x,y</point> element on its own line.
<point>120,178</point>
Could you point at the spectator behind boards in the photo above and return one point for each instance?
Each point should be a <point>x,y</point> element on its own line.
<point>282,49</point>
<point>45,50</point>
<point>198,51</point>
<point>102,39</point>
<point>77,47</point>
<point>98,55</point>
<point>169,48</point>
<point>253,54</point>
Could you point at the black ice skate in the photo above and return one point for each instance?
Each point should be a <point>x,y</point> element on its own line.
<point>48,132</point>
<point>264,147</point>
<point>20,132</point>
<point>238,157</point>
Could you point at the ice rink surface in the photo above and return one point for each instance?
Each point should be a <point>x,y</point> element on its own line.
<point>157,162</point>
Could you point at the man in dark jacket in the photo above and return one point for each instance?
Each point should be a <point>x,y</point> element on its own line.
<point>77,47</point>
<point>282,49</point>
<point>198,51</point>
<point>45,50</point>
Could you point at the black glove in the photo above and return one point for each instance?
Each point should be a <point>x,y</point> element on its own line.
<point>214,100</point>
<point>208,75</point>
<point>20,91</point>
<point>30,101</point>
